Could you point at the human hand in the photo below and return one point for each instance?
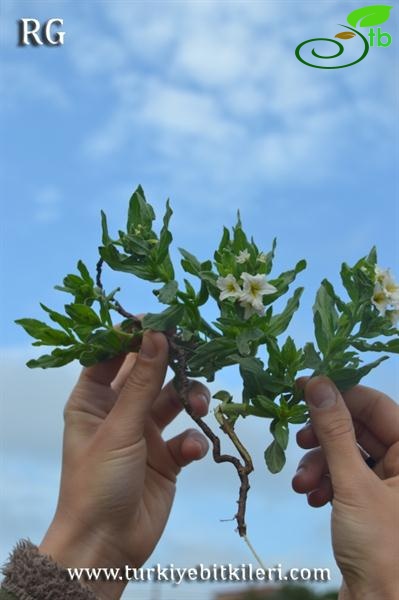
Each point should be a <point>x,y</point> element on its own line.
<point>118,474</point>
<point>365,513</point>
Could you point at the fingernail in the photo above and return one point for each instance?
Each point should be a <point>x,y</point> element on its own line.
<point>148,348</point>
<point>204,399</point>
<point>200,442</point>
<point>199,404</point>
<point>322,395</point>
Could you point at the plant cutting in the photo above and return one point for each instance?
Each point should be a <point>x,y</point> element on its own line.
<point>247,331</point>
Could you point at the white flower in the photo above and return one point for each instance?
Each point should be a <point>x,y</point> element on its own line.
<point>262,257</point>
<point>243,256</point>
<point>229,287</point>
<point>386,290</point>
<point>254,288</point>
<point>380,299</point>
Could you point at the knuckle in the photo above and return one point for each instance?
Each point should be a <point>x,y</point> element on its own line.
<point>313,456</point>
<point>338,428</point>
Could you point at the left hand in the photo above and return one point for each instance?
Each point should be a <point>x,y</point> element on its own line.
<point>118,474</point>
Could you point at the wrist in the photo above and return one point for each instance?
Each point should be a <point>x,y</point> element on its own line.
<point>71,545</point>
<point>386,591</point>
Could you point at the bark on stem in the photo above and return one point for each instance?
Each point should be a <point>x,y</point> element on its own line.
<point>178,364</point>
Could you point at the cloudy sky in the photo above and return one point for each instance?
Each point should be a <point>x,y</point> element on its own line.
<point>203,102</point>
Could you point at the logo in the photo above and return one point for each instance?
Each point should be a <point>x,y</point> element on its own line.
<point>31,32</point>
<point>368,16</point>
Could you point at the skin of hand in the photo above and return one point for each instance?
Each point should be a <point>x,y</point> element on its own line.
<point>118,474</point>
<point>365,502</point>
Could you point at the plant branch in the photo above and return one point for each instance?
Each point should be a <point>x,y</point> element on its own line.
<point>115,304</point>
<point>178,364</point>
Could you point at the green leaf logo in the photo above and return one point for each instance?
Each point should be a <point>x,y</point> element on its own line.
<point>368,16</point>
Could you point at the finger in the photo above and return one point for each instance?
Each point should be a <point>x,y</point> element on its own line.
<point>301,382</point>
<point>93,393</point>
<point>125,423</point>
<point>333,426</point>
<point>104,372</point>
<point>119,381</point>
<point>390,462</point>
<point>377,411</point>
<point>306,438</point>
<point>311,469</point>
<point>368,441</point>
<point>187,446</point>
<point>168,404</point>
<point>323,494</point>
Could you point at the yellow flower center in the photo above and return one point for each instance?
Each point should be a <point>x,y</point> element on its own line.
<point>254,288</point>
<point>379,297</point>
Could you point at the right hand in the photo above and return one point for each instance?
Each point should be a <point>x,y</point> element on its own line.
<point>365,513</point>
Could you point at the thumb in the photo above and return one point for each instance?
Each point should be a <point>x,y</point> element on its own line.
<point>333,426</point>
<point>126,421</point>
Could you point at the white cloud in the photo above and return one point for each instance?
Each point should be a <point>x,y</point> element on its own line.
<point>47,204</point>
<point>19,77</point>
<point>217,84</point>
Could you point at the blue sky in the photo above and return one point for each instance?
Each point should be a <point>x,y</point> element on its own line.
<point>205,103</point>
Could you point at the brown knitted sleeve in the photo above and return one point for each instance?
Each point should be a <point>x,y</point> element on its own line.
<point>29,575</point>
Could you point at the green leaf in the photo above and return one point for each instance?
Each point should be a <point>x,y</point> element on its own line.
<point>372,256</point>
<point>348,377</point>
<point>167,294</point>
<point>225,240</point>
<point>269,258</point>
<point>311,358</point>
<point>165,237</point>
<point>279,430</point>
<point>289,353</point>
<point>190,263</point>
<point>347,280</point>
<point>58,358</point>
<point>283,281</point>
<point>279,323</point>
<point>369,16</point>
<point>168,319</point>
<point>105,235</point>
<point>65,322</point>
<point>269,408</point>
<point>212,356</point>
<point>83,270</point>
<point>390,346</point>
<point>274,457</point>
<point>113,341</point>
<point>141,214</point>
<point>203,294</point>
<point>223,396</point>
<point>256,380</point>
<point>128,264</point>
<point>134,244</point>
<point>245,338</point>
<point>325,317</point>
<point>322,340</point>
<point>45,334</point>
<point>81,313</point>
<point>298,414</point>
